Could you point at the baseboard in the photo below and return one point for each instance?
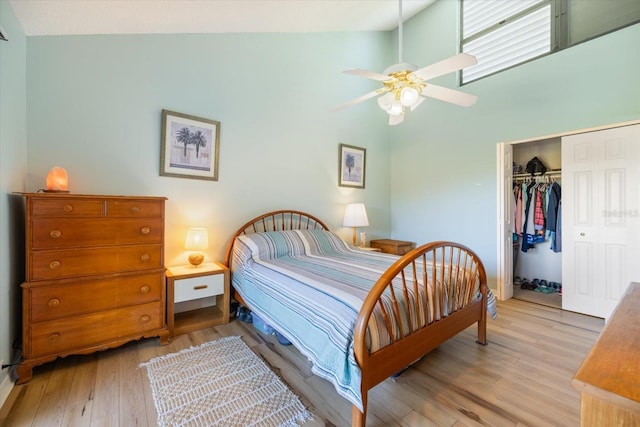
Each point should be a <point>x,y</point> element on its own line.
<point>5,388</point>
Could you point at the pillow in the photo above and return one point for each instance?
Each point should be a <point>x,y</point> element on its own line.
<point>273,244</point>
<point>322,242</point>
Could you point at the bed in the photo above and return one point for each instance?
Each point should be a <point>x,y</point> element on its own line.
<point>359,316</point>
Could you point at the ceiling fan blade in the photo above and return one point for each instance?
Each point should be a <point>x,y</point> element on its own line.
<point>360,99</point>
<point>418,102</point>
<point>367,74</point>
<point>455,63</point>
<point>449,95</point>
<point>396,119</point>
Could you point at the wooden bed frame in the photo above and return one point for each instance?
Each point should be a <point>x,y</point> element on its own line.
<point>422,337</point>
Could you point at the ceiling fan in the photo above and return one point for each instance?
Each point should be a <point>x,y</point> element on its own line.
<point>404,85</point>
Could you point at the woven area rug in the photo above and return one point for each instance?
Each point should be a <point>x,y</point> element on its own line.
<point>221,383</point>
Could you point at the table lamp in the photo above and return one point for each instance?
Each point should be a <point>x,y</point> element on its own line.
<point>355,215</point>
<point>197,240</point>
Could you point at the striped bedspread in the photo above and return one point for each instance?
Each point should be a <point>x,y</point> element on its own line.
<point>309,285</point>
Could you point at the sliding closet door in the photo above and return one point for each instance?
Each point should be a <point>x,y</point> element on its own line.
<point>600,218</point>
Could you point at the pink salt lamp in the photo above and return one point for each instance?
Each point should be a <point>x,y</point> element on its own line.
<point>57,180</point>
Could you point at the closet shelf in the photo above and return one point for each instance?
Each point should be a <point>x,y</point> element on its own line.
<point>551,172</point>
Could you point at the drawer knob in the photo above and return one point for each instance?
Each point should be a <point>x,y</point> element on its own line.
<point>53,302</point>
<point>55,337</point>
<point>135,209</point>
<point>54,265</point>
<point>198,287</point>
<point>67,208</point>
<point>144,289</point>
<point>145,318</point>
<point>145,257</point>
<point>55,233</point>
<point>145,230</point>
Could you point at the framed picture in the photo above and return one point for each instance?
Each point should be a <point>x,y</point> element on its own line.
<point>351,167</point>
<point>190,146</point>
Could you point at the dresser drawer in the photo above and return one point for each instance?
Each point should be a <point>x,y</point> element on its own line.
<point>198,287</point>
<point>70,232</point>
<point>57,301</point>
<point>93,329</point>
<point>135,208</point>
<point>63,207</point>
<point>56,264</point>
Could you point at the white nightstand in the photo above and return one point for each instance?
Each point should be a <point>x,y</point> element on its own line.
<point>188,283</point>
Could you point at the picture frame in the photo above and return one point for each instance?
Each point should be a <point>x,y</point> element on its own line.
<point>190,146</point>
<point>351,166</point>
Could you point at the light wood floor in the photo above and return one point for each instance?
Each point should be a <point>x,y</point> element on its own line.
<point>523,377</point>
<point>552,299</point>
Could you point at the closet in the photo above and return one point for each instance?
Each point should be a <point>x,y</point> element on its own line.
<point>537,260</point>
<point>599,175</point>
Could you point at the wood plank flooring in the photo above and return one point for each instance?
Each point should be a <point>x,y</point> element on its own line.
<point>522,378</point>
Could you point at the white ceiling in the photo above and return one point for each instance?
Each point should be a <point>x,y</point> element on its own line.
<point>60,17</point>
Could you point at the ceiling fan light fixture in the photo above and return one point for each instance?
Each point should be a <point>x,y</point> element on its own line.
<point>396,108</point>
<point>408,96</point>
<point>404,85</point>
<point>396,120</point>
<point>386,101</point>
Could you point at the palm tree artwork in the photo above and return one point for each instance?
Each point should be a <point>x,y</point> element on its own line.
<point>186,137</point>
<point>199,140</point>
<point>350,163</point>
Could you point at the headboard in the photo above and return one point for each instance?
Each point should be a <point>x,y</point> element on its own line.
<point>276,221</point>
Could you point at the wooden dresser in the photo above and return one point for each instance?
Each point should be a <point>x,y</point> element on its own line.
<point>95,276</point>
<point>609,378</point>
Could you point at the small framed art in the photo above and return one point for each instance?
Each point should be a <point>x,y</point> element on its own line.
<point>190,146</point>
<point>352,166</point>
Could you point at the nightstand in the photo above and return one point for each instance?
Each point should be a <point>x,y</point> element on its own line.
<point>390,246</point>
<point>188,285</point>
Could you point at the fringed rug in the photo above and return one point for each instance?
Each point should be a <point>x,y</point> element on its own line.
<point>221,383</point>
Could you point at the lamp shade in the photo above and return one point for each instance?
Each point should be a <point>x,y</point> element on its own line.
<point>355,215</point>
<point>197,239</point>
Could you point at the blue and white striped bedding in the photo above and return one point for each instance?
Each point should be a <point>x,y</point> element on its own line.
<point>309,285</point>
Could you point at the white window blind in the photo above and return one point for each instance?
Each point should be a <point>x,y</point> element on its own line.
<point>504,33</point>
<point>479,15</point>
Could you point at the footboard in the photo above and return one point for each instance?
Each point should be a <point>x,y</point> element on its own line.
<point>423,299</point>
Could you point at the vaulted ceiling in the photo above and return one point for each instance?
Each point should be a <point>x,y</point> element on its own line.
<point>61,17</point>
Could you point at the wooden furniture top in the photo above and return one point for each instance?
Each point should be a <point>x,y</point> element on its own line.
<point>392,242</point>
<point>90,196</point>
<point>191,271</point>
<point>611,370</point>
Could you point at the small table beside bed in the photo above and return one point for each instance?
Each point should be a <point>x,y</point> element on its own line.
<point>358,316</point>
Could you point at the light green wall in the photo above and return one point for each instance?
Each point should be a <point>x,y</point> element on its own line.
<point>443,158</point>
<point>94,108</point>
<point>13,164</point>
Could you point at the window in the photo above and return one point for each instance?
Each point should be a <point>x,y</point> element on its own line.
<point>505,33</point>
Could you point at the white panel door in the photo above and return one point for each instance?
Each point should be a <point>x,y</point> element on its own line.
<point>600,218</point>
<point>505,221</point>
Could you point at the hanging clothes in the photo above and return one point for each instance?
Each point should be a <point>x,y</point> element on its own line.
<point>536,213</point>
<point>517,221</point>
<point>554,219</point>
